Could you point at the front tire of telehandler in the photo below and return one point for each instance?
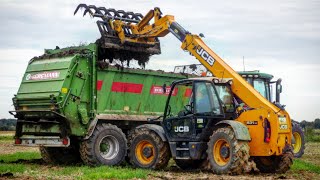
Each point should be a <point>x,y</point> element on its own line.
<point>226,154</point>
<point>147,150</point>
<point>106,146</point>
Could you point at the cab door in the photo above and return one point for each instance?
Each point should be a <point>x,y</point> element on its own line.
<point>195,111</point>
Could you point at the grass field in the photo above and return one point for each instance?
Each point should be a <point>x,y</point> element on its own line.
<point>24,163</point>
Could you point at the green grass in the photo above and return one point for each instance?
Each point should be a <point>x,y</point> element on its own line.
<point>306,166</point>
<point>312,135</point>
<point>102,172</point>
<point>13,168</point>
<point>11,163</point>
<point>105,172</point>
<point>4,138</point>
<point>6,158</point>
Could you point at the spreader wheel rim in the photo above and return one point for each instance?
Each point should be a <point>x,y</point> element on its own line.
<point>109,147</point>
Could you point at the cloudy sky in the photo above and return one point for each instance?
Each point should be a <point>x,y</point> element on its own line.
<point>277,37</point>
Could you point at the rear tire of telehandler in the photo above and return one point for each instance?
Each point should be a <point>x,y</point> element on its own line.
<point>106,146</point>
<point>147,150</point>
<point>299,146</point>
<point>275,164</point>
<point>226,154</point>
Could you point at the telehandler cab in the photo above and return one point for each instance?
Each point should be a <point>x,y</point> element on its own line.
<point>199,136</point>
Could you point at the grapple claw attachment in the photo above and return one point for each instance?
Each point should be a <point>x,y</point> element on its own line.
<point>110,40</point>
<point>107,14</point>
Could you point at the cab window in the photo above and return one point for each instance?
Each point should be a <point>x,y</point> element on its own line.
<point>206,100</point>
<point>226,97</point>
<point>261,86</point>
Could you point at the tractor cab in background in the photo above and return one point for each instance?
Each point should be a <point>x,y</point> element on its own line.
<point>263,83</point>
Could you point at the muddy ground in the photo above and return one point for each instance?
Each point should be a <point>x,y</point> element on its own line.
<point>312,155</point>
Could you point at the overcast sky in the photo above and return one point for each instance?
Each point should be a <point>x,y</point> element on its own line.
<point>277,37</point>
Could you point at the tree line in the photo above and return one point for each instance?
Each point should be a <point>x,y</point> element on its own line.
<point>8,124</point>
<point>313,124</point>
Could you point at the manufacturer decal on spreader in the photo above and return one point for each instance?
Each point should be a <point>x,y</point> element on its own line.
<point>159,90</point>
<point>43,75</point>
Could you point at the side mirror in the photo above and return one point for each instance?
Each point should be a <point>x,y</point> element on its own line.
<point>278,90</point>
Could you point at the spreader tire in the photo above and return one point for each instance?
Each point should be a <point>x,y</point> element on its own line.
<point>106,146</point>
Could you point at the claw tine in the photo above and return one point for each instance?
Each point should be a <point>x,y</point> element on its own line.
<point>79,7</point>
<point>97,10</point>
<point>106,12</point>
<point>86,11</point>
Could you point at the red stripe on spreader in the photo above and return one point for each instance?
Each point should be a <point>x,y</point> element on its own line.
<point>188,92</point>
<point>99,84</point>
<point>126,87</point>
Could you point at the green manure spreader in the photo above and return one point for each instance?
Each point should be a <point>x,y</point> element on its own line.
<point>76,107</point>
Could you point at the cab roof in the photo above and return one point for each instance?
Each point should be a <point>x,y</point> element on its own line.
<point>258,73</point>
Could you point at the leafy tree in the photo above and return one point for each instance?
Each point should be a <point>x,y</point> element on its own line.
<point>305,124</point>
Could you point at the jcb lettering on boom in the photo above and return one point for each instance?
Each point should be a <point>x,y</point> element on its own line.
<point>205,55</point>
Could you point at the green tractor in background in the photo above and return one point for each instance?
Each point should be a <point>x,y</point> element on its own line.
<point>264,84</point>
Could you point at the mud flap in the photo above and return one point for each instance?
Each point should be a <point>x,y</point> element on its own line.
<point>157,129</point>
<point>240,130</point>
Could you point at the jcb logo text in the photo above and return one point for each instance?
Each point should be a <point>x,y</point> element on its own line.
<point>181,129</point>
<point>205,55</point>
